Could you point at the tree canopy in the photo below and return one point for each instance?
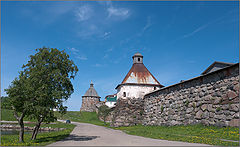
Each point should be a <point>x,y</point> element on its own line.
<point>43,85</point>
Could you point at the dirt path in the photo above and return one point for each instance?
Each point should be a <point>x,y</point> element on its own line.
<point>91,135</point>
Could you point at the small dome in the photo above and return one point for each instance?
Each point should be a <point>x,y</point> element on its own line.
<point>138,54</point>
<point>91,92</point>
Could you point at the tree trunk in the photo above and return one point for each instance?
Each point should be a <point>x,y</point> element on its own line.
<point>36,129</point>
<point>20,122</point>
<point>21,133</point>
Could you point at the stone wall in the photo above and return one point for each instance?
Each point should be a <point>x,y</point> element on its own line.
<point>127,112</point>
<point>89,103</point>
<point>211,99</point>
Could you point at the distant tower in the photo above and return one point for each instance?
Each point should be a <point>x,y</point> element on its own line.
<point>90,99</point>
<point>138,81</point>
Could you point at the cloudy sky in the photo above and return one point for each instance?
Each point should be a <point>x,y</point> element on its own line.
<point>178,40</point>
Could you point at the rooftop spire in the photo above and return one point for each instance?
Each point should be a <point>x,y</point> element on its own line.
<point>91,85</point>
<point>91,91</point>
<point>137,58</point>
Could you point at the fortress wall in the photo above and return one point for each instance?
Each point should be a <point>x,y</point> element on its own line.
<point>211,99</point>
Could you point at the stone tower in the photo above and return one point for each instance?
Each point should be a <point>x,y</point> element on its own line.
<point>90,100</point>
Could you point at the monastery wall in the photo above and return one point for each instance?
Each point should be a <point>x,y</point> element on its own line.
<point>127,112</point>
<point>211,99</point>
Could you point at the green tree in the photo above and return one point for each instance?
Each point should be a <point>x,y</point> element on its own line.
<point>5,103</point>
<point>19,99</point>
<point>48,76</point>
<point>104,111</point>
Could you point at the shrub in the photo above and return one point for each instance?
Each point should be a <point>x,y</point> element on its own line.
<point>103,111</point>
<point>162,109</point>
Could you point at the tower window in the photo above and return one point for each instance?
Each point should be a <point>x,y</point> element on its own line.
<point>124,94</point>
<point>138,59</point>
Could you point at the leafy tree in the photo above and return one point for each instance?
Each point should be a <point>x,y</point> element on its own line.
<point>48,76</point>
<point>19,99</point>
<point>104,111</point>
<point>5,103</point>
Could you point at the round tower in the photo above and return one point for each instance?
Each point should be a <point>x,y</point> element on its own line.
<point>90,100</point>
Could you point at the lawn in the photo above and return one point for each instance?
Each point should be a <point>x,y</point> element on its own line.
<point>190,133</point>
<point>43,138</point>
<point>8,115</point>
<point>84,117</point>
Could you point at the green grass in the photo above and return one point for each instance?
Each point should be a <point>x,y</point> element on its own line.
<point>85,117</point>
<point>190,133</point>
<point>43,138</point>
<point>8,116</point>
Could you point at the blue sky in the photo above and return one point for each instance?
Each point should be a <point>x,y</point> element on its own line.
<point>178,40</point>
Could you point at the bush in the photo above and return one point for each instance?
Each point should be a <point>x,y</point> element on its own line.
<point>103,111</point>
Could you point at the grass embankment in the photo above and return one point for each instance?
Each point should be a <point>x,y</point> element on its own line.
<point>191,133</point>
<point>43,138</point>
<point>8,116</point>
<point>84,117</point>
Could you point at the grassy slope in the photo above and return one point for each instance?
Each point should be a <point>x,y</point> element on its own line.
<point>8,115</point>
<point>191,133</point>
<point>42,138</point>
<point>85,117</point>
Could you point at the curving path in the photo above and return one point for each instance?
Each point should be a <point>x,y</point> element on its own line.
<point>91,135</point>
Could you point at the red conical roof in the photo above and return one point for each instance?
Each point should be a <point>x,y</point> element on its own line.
<point>139,74</point>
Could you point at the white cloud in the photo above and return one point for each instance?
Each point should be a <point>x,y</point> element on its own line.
<point>110,50</point>
<point>118,12</point>
<point>89,31</point>
<point>84,13</point>
<point>77,54</point>
<point>98,65</point>
<point>106,35</point>
<point>206,25</point>
<point>147,26</point>
<point>81,57</point>
<point>74,50</point>
<point>196,30</point>
<point>149,23</point>
<point>105,56</point>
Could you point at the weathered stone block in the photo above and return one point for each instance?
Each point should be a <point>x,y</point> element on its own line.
<point>205,114</point>
<point>210,108</point>
<point>188,115</point>
<point>199,114</point>
<point>217,100</point>
<point>236,87</point>
<point>231,94</point>
<point>211,114</point>
<point>204,107</point>
<point>189,110</point>
<point>236,115</point>
<point>234,123</point>
<point>234,107</point>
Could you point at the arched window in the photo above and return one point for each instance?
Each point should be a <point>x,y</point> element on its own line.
<point>154,88</point>
<point>124,94</point>
<point>138,59</point>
